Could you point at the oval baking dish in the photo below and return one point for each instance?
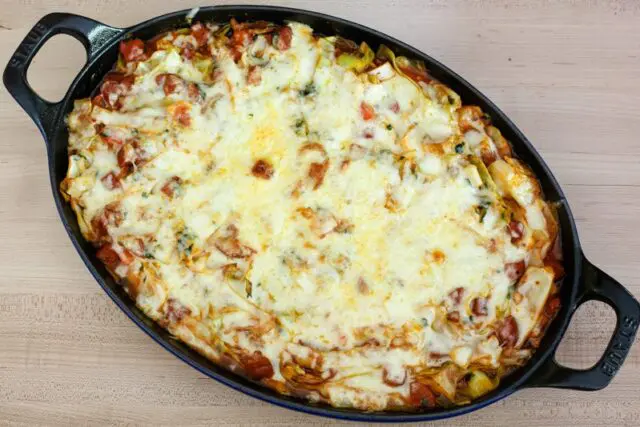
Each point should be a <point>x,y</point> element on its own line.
<point>582,282</point>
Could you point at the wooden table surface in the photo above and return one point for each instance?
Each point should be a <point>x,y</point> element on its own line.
<point>568,73</point>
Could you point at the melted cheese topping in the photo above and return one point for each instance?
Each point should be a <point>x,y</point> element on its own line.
<point>375,240</point>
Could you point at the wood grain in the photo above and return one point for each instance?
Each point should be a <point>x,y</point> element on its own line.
<point>566,72</point>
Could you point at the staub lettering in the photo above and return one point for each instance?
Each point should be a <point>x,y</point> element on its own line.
<point>621,343</point>
<point>27,45</point>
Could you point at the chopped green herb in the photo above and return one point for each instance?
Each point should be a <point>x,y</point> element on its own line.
<point>309,89</point>
<point>145,195</point>
<point>481,211</point>
<point>389,127</point>
<point>451,99</point>
<point>251,115</point>
<point>509,292</point>
<point>460,148</point>
<point>301,127</point>
<point>424,321</point>
<point>149,255</point>
<point>248,288</point>
<point>185,242</point>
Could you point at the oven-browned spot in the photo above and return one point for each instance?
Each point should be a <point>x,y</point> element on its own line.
<point>393,381</point>
<point>438,256</point>
<point>262,169</point>
<point>363,287</point>
<point>317,171</point>
<point>226,241</point>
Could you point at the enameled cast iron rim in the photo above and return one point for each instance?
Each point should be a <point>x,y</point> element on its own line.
<point>517,139</point>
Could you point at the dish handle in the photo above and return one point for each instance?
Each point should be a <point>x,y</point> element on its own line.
<point>92,34</point>
<point>597,285</point>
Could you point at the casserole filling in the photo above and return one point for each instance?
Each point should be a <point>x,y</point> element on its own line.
<point>326,220</point>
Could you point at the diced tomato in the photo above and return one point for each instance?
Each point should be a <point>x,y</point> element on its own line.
<point>453,316</point>
<point>240,34</point>
<point>115,86</point>
<point>456,295</point>
<point>553,259</point>
<point>110,215</point>
<point>129,156</point>
<point>112,138</point>
<point>253,75</point>
<point>366,111</point>
<point>108,256</point>
<point>99,101</point>
<point>488,157</point>
<point>283,41</point>
<point>187,51</point>
<point>170,187</point>
<point>193,91</point>
<point>126,80</point>
<point>236,54</point>
<point>469,116</point>
<point>133,50</point>
<point>516,229</point>
<point>152,45</point>
<point>112,258</point>
<point>200,33</point>
<point>416,74</point>
<point>99,227</point>
<point>180,113</point>
<point>111,181</point>
<point>126,156</point>
<point>111,92</point>
<point>479,306</point>
<point>257,366</point>
<point>170,83</point>
<point>344,46</point>
<point>508,332</point>
<point>126,256</point>
<point>552,307</point>
<point>514,270</point>
<point>184,118</point>
<point>420,395</point>
<point>112,142</point>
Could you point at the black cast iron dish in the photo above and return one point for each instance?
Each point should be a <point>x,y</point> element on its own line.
<point>583,281</point>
